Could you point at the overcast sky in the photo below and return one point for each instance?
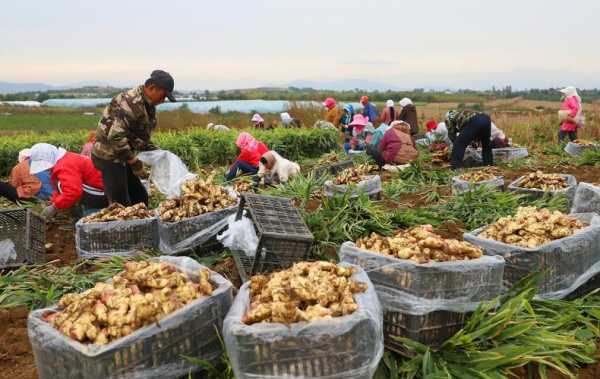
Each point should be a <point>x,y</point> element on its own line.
<point>243,43</point>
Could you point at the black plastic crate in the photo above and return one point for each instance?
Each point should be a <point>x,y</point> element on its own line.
<point>333,168</point>
<point>283,237</point>
<point>27,231</point>
<point>431,329</point>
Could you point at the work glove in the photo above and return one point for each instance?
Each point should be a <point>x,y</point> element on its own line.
<point>138,169</point>
<point>49,212</point>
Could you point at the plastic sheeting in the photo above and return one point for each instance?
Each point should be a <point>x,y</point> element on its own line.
<point>460,186</point>
<point>575,149</point>
<point>155,351</point>
<point>192,232</point>
<point>168,171</point>
<point>417,289</point>
<point>500,155</point>
<point>343,347</point>
<point>587,199</point>
<point>568,262</point>
<point>122,238</point>
<point>240,236</point>
<point>370,186</point>
<point>8,252</point>
<point>568,192</point>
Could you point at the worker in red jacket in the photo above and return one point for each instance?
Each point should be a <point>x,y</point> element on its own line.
<point>74,178</point>
<point>251,150</point>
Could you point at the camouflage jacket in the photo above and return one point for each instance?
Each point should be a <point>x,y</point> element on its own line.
<point>125,128</point>
<point>458,121</point>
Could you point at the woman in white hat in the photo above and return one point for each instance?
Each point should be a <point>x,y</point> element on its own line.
<point>389,113</point>
<point>23,185</point>
<point>570,115</point>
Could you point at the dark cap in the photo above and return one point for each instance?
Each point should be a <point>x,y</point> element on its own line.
<point>163,80</point>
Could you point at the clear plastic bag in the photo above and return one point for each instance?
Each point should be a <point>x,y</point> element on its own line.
<point>568,262</point>
<point>460,186</point>
<point>8,252</point>
<point>371,185</point>
<point>155,351</point>
<point>576,150</point>
<point>417,289</point>
<point>168,171</point>
<point>240,236</point>
<point>343,347</point>
<point>587,199</point>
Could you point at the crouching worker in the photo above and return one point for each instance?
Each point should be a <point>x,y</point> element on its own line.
<point>247,162</point>
<point>23,185</point>
<point>74,179</point>
<point>275,169</point>
<point>397,147</point>
<point>125,130</point>
<point>466,127</point>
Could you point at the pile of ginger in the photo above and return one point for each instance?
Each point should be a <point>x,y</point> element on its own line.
<point>143,294</point>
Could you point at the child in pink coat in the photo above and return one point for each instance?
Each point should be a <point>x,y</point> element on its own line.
<point>572,104</point>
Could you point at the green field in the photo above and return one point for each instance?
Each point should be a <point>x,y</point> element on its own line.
<point>41,123</point>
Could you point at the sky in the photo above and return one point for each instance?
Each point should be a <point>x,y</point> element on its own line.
<point>226,44</point>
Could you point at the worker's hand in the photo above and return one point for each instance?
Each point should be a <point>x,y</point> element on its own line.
<point>49,212</point>
<point>138,169</point>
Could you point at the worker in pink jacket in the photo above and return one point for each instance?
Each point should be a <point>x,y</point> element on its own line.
<point>569,114</point>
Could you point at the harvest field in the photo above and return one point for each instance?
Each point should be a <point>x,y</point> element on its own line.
<point>513,334</point>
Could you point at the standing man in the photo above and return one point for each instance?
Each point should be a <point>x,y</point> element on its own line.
<point>369,109</point>
<point>124,130</point>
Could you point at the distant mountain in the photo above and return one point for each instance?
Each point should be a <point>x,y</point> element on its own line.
<point>344,85</point>
<point>6,87</point>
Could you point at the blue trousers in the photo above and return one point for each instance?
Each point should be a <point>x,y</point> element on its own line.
<point>243,166</point>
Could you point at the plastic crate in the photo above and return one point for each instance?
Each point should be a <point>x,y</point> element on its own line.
<point>187,234</point>
<point>332,169</point>
<point>27,231</point>
<point>155,351</point>
<point>123,238</point>
<point>283,237</point>
<point>431,329</point>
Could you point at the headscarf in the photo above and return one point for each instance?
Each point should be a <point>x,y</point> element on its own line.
<point>257,119</point>
<point>329,103</point>
<point>245,141</point>
<point>44,156</point>
<point>405,101</point>
<point>431,125</point>
<point>24,154</point>
<point>364,99</point>
<point>286,118</point>
<point>389,103</point>
<point>349,108</point>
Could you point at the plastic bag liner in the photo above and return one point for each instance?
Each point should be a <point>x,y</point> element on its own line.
<point>575,149</point>
<point>240,236</point>
<point>587,199</point>
<point>460,186</point>
<point>371,185</point>
<point>417,289</point>
<point>342,347</point>
<point>568,192</point>
<point>499,155</point>
<point>122,238</point>
<point>569,262</point>
<point>154,351</point>
<point>168,171</point>
<point>189,233</point>
<point>8,252</point>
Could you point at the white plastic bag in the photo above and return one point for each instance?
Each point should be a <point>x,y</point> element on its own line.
<point>240,235</point>
<point>168,171</point>
<point>8,252</point>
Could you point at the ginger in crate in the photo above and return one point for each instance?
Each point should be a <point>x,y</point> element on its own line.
<point>305,292</point>
<point>542,181</point>
<point>532,227</point>
<point>354,175</point>
<point>144,293</point>
<point>117,212</point>
<point>197,197</point>
<point>480,175</point>
<point>421,245</point>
